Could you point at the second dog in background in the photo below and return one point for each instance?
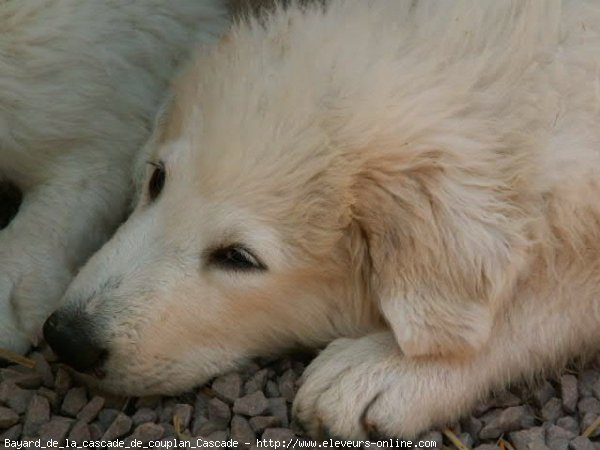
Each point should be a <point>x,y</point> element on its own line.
<point>80,84</point>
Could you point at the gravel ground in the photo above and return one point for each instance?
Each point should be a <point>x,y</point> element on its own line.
<point>47,402</point>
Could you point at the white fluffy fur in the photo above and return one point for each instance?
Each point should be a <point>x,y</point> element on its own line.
<point>419,177</point>
<point>80,82</point>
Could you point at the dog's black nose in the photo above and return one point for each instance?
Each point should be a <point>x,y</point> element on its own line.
<point>72,338</point>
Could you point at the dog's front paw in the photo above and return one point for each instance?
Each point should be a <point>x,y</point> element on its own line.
<point>365,388</point>
<point>346,390</point>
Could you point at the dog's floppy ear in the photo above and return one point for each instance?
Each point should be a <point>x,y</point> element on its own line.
<point>444,242</point>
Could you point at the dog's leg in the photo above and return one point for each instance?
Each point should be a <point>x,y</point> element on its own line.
<point>366,385</point>
<point>60,223</point>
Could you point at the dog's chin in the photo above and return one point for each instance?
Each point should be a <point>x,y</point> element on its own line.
<point>130,377</point>
<point>133,386</point>
<point>112,384</point>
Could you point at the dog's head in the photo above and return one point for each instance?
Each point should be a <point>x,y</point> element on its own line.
<point>286,201</point>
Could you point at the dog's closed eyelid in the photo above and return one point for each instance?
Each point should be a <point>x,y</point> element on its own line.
<point>234,257</point>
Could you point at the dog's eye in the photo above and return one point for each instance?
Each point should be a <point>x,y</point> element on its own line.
<point>235,257</point>
<point>157,180</point>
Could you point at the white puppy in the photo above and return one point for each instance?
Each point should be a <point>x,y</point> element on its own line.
<point>80,82</point>
<point>418,179</point>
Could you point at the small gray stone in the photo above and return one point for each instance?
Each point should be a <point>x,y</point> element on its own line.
<point>596,389</point>
<point>62,381</point>
<point>278,408</point>
<point>538,446</point>
<point>221,435</point>
<point>241,431</point>
<point>144,415</point>
<point>228,387</point>
<point>75,399</point>
<point>527,438</point>
<point>589,405</point>
<point>509,419</point>
<point>587,378</point>
<point>257,382</point>
<point>107,416</point>
<point>209,427</point>
<point>90,411</point>
<point>166,410</point>
<point>7,373</point>
<point>96,431</point>
<point>42,368</point>
<point>51,395</point>
<point>7,418</point>
<point>38,413</point>
<point>581,443</point>
<point>558,438</point>
<point>147,432</point>
<point>14,397</point>
<point>200,413</point>
<point>261,423</point>
<point>471,425</point>
<point>27,380</point>
<point>587,420</point>
<point>250,369</point>
<point>99,424</point>
<point>505,399</point>
<point>272,390</point>
<point>12,434</point>
<point>490,416</point>
<point>552,410</point>
<point>218,411</point>
<point>201,405</point>
<point>57,429</point>
<point>487,447</point>
<point>543,393</point>
<point>482,408</point>
<point>197,424</point>
<point>120,426</point>
<point>254,404</point>
<point>568,423</point>
<point>287,385</point>
<point>569,393</point>
<point>80,432</point>
<point>278,434</point>
<point>183,412</point>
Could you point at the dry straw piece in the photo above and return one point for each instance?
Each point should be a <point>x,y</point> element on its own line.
<point>454,439</point>
<point>505,445</point>
<point>12,357</point>
<point>593,427</point>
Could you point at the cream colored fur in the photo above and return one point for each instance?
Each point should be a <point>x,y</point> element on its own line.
<point>421,181</point>
<point>80,82</point>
